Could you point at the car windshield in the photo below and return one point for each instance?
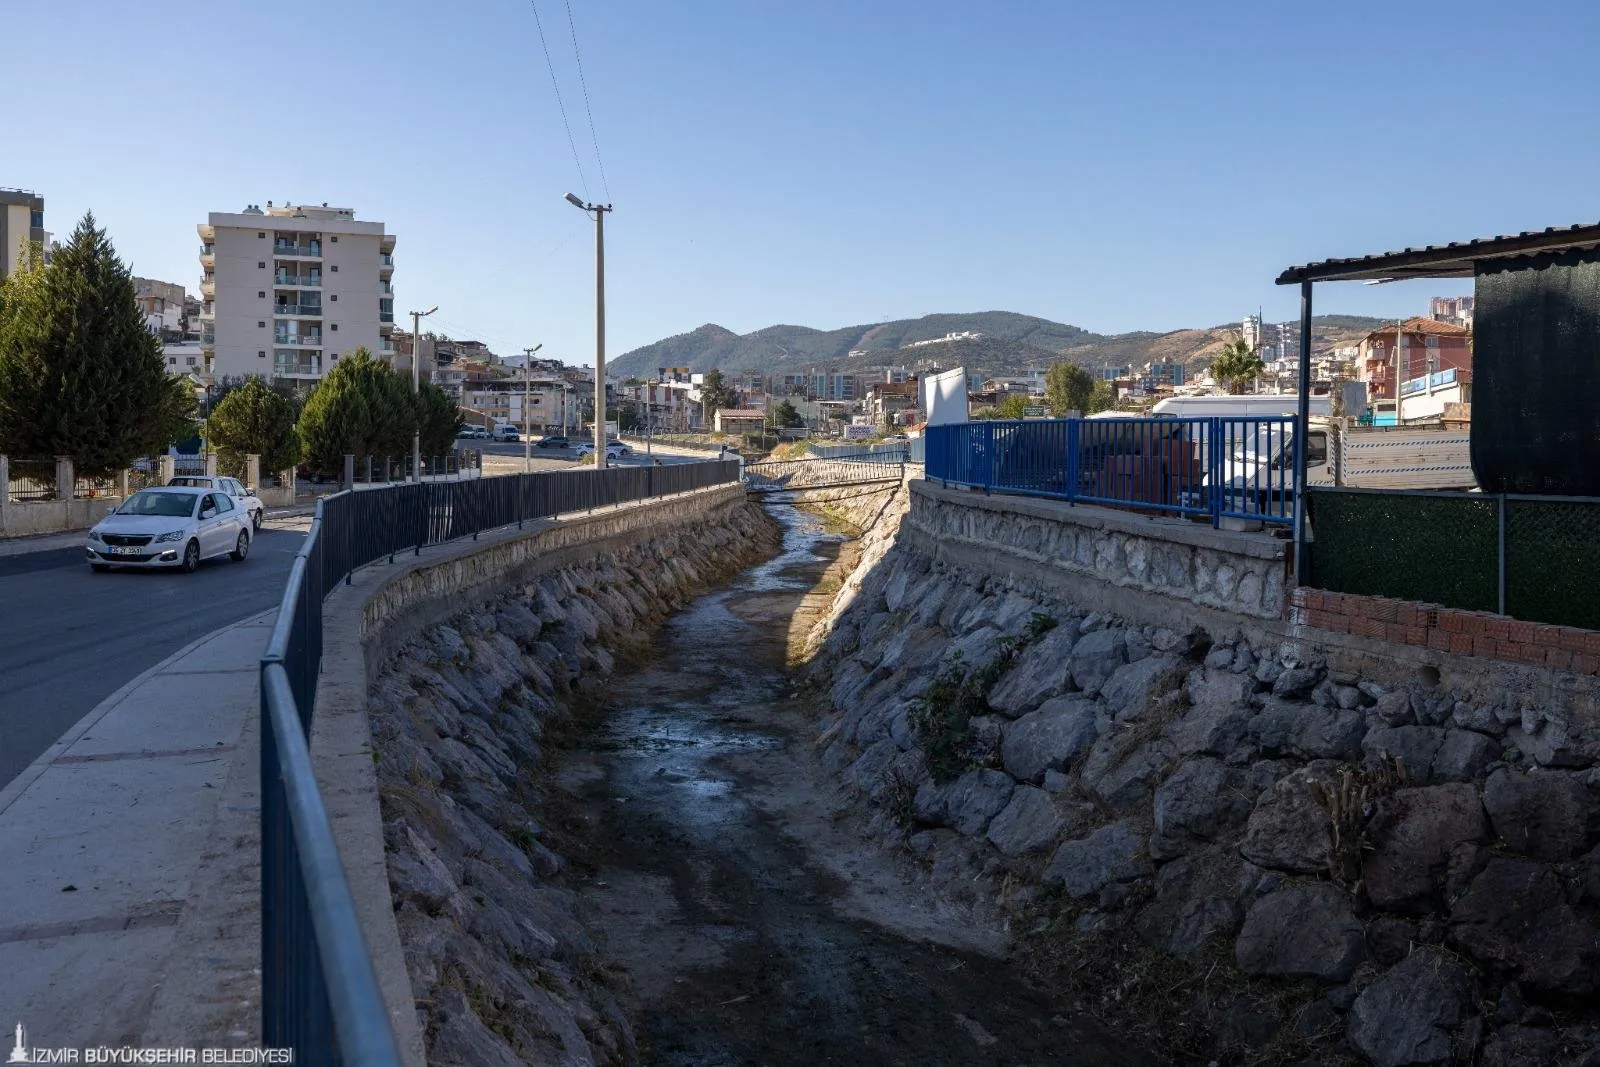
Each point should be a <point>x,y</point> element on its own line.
<point>155,502</point>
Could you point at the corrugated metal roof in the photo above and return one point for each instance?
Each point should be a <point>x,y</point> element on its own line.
<point>1454,260</point>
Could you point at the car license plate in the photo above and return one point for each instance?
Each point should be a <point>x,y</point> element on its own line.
<point>123,551</point>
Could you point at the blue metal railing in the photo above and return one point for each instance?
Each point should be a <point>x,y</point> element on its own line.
<point>1216,468</point>
<point>320,993</point>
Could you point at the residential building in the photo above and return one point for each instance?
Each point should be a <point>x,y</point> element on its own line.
<point>1425,346</point>
<point>547,404</point>
<point>287,290</point>
<point>964,335</point>
<point>669,407</point>
<point>1456,309</point>
<point>892,398</point>
<point>21,225</point>
<point>740,420</point>
<point>183,358</point>
<point>163,306</point>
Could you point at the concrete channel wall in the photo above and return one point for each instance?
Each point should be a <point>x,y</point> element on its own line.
<point>383,612</point>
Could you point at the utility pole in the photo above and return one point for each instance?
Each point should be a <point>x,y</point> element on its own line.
<point>1399,347</point>
<point>527,443</point>
<point>416,387</point>
<point>598,211</point>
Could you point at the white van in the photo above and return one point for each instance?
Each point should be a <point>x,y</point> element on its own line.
<point>505,432</point>
<point>1197,407</point>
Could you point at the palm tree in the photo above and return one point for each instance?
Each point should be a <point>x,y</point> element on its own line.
<point>1236,364</point>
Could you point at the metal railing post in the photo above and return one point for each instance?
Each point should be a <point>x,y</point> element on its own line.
<point>1214,463</point>
<point>1500,554</point>
<point>1074,456</point>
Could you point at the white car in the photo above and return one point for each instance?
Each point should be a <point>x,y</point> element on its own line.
<point>614,450</point>
<point>174,526</point>
<point>242,497</point>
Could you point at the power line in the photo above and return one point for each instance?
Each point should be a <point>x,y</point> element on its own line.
<point>563,107</point>
<point>587,110</point>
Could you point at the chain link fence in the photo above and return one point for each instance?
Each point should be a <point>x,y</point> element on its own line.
<point>1530,557</point>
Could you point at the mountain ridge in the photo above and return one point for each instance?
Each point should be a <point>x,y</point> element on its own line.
<point>1008,341</point>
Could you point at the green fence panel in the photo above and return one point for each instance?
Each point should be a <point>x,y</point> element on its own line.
<point>1434,548</point>
<point>1553,561</point>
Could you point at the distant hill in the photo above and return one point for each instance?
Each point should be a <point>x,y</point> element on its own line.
<point>1009,342</point>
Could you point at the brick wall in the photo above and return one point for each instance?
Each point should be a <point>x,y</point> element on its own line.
<point>1464,633</point>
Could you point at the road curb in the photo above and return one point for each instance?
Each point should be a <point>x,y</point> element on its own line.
<point>21,783</point>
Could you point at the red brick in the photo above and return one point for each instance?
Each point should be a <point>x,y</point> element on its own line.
<point>1523,633</point>
<point>1383,610</point>
<point>1338,624</point>
<point>1361,626</point>
<point>1559,658</point>
<point>1585,663</point>
<point>1317,618</point>
<point>1461,644</point>
<point>1417,635</point>
<point>1528,654</point>
<point>1497,627</point>
<point>1591,642</point>
<point>1572,639</point>
<point>1485,647</point>
<point>1439,639</point>
<point>1456,622</point>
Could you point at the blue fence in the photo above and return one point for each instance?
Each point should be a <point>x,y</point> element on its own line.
<point>1213,468</point>
<point>320,995</point>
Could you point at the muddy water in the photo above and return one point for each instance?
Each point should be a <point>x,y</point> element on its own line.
<point>749,925</point>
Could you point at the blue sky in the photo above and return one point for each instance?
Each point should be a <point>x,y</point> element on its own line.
<point>1116,166</point>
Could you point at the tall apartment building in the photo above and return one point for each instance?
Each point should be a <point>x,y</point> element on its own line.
<point>21,223</point>
<point>1456,309</point>
<point>288,290</point>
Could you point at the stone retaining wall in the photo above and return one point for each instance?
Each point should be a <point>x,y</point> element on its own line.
<point>1221,833</point>
<point>445,679</point>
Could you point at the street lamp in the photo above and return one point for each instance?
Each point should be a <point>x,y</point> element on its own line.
<point>599,213</point>
<point>416,387</point>
<point>527,442</point>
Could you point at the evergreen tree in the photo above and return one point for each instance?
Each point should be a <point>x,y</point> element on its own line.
<point>252,418</point>
<point>785,414</point>
<point>79,373</point>
<point>361,408</point>
<point>717,393</point>
<point>1068,387</point>
<point>439,418</point>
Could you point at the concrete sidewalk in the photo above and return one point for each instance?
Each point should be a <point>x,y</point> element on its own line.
<point>130,861</point>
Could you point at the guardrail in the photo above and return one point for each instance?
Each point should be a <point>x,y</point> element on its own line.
<point>1215,468</point>
<point>320,994</point>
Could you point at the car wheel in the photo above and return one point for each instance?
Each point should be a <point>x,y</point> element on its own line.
<point>241,548</point>
<point>99,568</point>
<point>191,557</point>
<point>255,520</point>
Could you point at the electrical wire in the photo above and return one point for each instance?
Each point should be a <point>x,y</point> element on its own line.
<point>594,138</point>
<point>554,84</point>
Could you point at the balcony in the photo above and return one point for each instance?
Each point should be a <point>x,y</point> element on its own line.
<point>208,255</point>
<point>208,338</point>
<point>296,364</point>
<point>311,250</point>
<point>312,339</point>
<point>297,281</point>
<point>386,316</point>
<point>297,310</point>
<point>386,262</point>
<point>385,289</point>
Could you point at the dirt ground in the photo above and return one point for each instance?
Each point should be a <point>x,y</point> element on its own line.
<point>750,920</point>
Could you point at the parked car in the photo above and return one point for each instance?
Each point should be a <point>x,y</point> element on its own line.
<point>553,441</point>
<point>242,497</point>
<point>505,432</point>
<point>173,526</point>
<point>473,432</point>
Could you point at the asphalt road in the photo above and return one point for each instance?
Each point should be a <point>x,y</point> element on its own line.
<point>69,638</point>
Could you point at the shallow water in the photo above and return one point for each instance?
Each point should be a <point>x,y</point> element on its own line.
<point>732,933</point>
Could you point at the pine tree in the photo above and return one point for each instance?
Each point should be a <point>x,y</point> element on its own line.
<point>361,408</point>
<point>79,373</point>
<point>439,418</point>
<point>252,418</point>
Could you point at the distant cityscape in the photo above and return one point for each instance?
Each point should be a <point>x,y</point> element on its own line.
<point>286,289</point>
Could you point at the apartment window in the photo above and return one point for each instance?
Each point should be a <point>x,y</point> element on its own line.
<point>261,235</point>
<point>172,361</point>
<point>189,360</point>
<point>335,327</point>
<point>334,357</point>
<point>261,355</point>
<point>261,264</point>
<point>260,325</point>
<point>261,293</point>
<point>335,296</point>
<point>335,267</point>
<point>335,240</point>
